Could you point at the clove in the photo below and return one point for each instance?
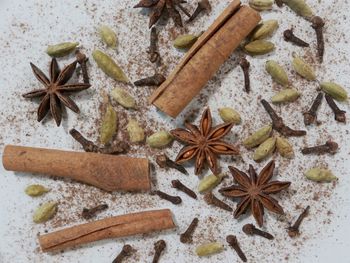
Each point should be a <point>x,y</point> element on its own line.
<point>163,161</point>
<point>203,5</point>
<point>89,213</point>
<point>279,3</point>
<point>250,230</point>
<point>186,237</point>
<point>310,116</point>
<point>173,199</point>
<point>155,80</point>
<point>317,23</point>
<point>211,199</point>
<point>293,230</point>
<point>244,63</point>
<point>339,115</point>
<point>153,53</point>
<point>180,186</point>
<point>82,60</point>
<point>159,246</point>
<point>277,122</point>
<point>127,250</point>
<point>233,242</point>
<point>290,37</point>
<point>329,147</point>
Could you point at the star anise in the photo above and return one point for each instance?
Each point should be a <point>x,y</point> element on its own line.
<point>159,7</point>
<point>254,191</point>
<point>204,143</point>
<point>54,93</point>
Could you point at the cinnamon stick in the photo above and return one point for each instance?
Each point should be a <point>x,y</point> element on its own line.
<point>117,226</point>
<point>205,57</point>
<point>108,172</point>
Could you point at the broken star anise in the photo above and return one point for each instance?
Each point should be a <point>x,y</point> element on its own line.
<point>54,93</point>
<point>159,7</point>
<point>204,143</point>
<point>254,191</point>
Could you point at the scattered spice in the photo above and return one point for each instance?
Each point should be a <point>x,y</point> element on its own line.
<point>317,23</point>
<point>302,68</point>
<point>209,182</point>
<point>202,6</point>
<point>310,116</point>
<point>36,190</point>
<point>277,72</point>
<point>251,230</point>
<point>244,63</point>
<point>163,161</point>
<point>329,147</point>
<point>108,36</point>
<point>89,213</point>
<point>233,242</point>
<point>45,212</point>
<point>186,237</point>
<point>290,37</point>
<point>336,91</point>
<point>229,115</point>
<point>123,98</point>
<point>265,149</point>
<point>293,230</point>
<point>261,5</point>
<point>61,49</point>
<point>211,199</point>
<point>155,80</point>
<point>320,175</point>
<point>180,186</point>
<point>127,251</point>
<point>209,249</point>
<point>185,41</point>
<point>159,139</point>
<point>258,137</point>
<point>136,132</point>
<point>82,60</point>
<point>153,53</point>
<point>159,247</point>
<point>259,47</point>
<point>173,199</point>
<point>339,115</point>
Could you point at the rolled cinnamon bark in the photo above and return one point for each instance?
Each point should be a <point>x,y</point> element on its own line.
<point>205,57</point>
<point>108,172</point>
<point>118,226</point>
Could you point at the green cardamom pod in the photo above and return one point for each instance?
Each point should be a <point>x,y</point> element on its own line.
<point>284,148</point>
<point>209,182</point>
<point>286,95</point>
<point>36,190</point>
<point>109,125</point>
<point>300,8</point>
<point>62,49</point>
<point>334,90</point>
<point>277,73</point>
<point>45,212</point>
<point>320,175</point>
<point>209,249</point>
<point>261,5</point>
<point>123,98</point>
<point>258,137</point>
<point>229,115</point>
<point>265,29</point>
<point>303,69</point>
<point>264,149</point>
<point>136,132</point>
<point>108,36</point>
<point>185,41</point>
<point>159,139</point>
<point>108,66</point>
<point>259,47</point>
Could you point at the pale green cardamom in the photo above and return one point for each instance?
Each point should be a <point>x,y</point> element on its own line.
<point>277,73</point>
<point>299,7</point>
<point>62,49</point>
<point>36,190</point>
<point>303,69</point>
<point>287,95</point>
<point>261,5</point>
<point>209,182</point>
<point>108,66</point>
<point>185,41</point>
<point>123,98</point>
<point>258,137</point>
<point>264,149</point>
<point>259,47</point>
<point>320,175</point>
<point>265,29</point>
<point>45,212</point>
<point>229,115</point>
<point>136,132</point>
<point>108,36</point>
<point>209,249</point>
<point>284,148</point>
<point>159,139</point>
<point>334,90</point>
<point>109,125</point>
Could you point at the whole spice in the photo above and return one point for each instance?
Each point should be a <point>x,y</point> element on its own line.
<point>277,72</point>
<point>320,175</point>
<point>109,66</point>
<point>302,68</point>
<point>211,199</point>
<point>251,230</point>
<point>339,115</point>
<point>279,3</point>
<point>229,115</point>
<point>55,90</point>
<point>108,36</point>
<point>61,49</point>
<point>310,116</point>
<point>155,80</point>
<point>209,249</point>
<point>293,230</point>
<point>233,242</point>
<point>209,182</point>
<point>180,186</point>
<point>136,132</point>
<point>244,63</point>
<point>336,91</point>
<point>317,23</point>
<point>286,95</point>
<point>185,41</point>
<point>186,237</point>
<point>127,251</point>
<point>36,190</point>
<point>258,137</point>
<point>82,60</point>
<point>45,212</point>
<point>284,148</point>
<point>159,139</point>
<point>265,149</point>
<point>299,7</point>
<point>109,125</point>
<point>159,247</point>
<point>123,98</point>
<point>329,147</point>
<point>202,5</point>
<point>259,47</point>
<point>163,161</point>
<point>89,213</point>
<point>265,29</point>
<point>173,199</point>
<point>261,5</point>
<point>290,37</point>
<point>153,53</point>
